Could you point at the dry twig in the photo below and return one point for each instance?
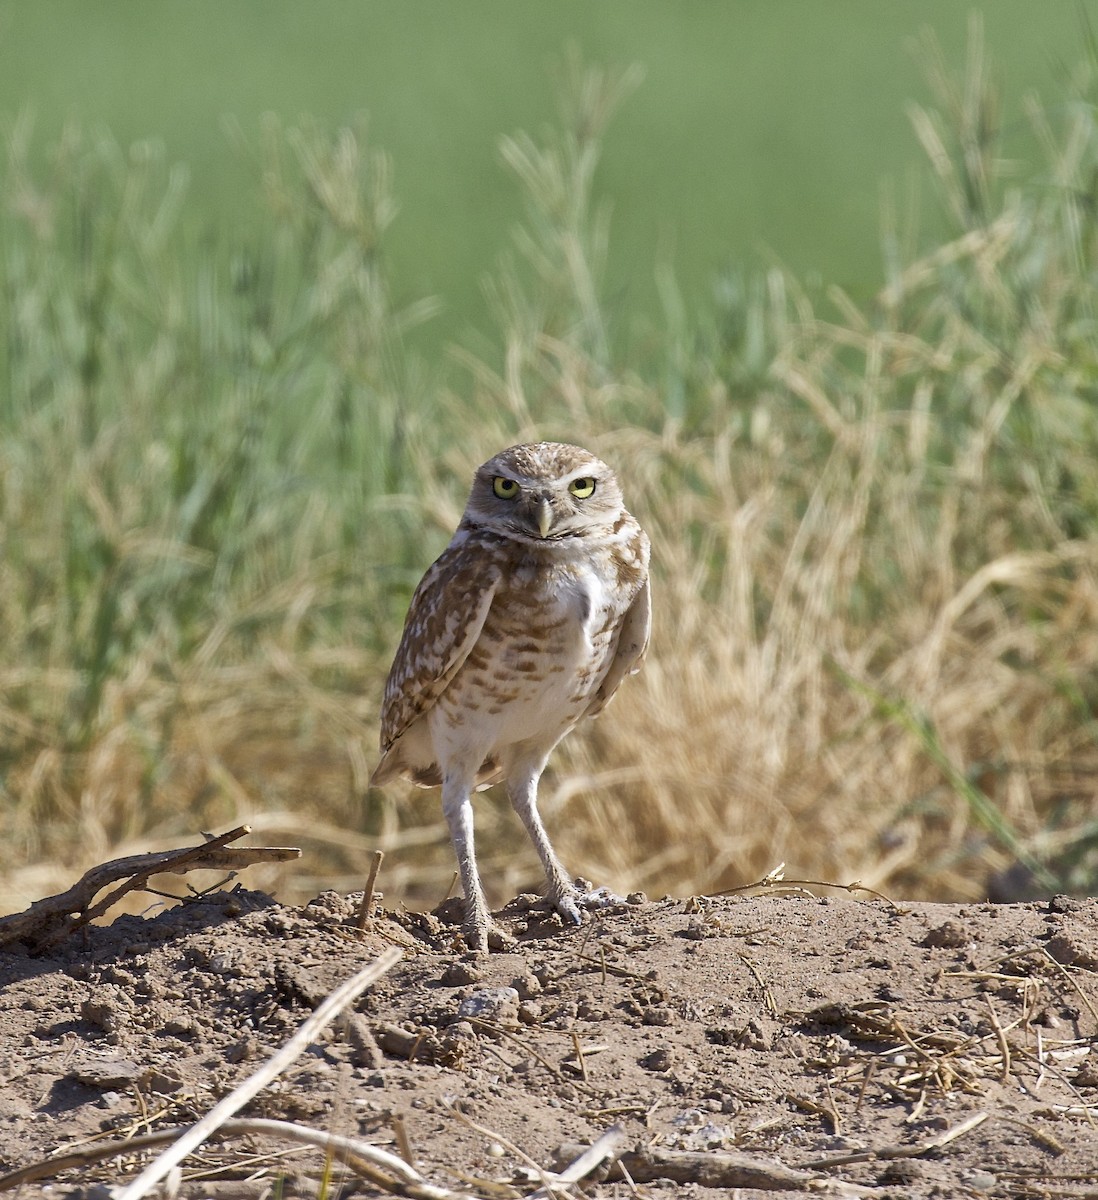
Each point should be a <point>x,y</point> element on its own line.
<point>547,1178</point>
<point>768,995</point>
<point>366,907</point>
<point>500,1031</point>
<point>53,918</point>
<point>604,1149</point>
<point>890,1152</point>
<point>1001,1039</point>
<point>712,1169</point>
<point>775,881</point>
<point>379,1166</point>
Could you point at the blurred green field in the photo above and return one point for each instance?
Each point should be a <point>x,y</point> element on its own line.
<point>762,131</point>
<point>231,439</point>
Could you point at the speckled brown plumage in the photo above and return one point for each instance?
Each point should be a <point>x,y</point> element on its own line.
<point>528,621</point>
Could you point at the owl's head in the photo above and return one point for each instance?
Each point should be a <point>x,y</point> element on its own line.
<point>545,492</point>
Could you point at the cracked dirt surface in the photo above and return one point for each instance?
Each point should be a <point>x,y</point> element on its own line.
<point>916,1050</point>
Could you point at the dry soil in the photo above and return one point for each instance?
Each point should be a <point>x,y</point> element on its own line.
<point>780,1043</point>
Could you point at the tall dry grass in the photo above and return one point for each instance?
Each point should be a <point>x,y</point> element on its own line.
<point>873,524</point>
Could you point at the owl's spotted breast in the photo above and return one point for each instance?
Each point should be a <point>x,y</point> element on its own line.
<point>548,632</point>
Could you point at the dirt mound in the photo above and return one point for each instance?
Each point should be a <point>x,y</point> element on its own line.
<point>779,1043</point>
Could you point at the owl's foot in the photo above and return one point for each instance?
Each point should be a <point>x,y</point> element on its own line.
<point>482,934</point>
<point>568,906</point>
<point>599,897</point>
<point>580,897</point>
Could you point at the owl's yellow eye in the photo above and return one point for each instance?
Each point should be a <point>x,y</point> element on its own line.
<point>505,489</point>
<point>582,488</point>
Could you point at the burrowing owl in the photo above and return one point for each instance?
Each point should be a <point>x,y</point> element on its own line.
<point>527,622</point>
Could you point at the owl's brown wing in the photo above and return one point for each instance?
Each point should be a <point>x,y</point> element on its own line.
<point>636,629</point>
<point>444,621</point>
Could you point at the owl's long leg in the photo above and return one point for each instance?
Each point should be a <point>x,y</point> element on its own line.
<point>522,788</point>
<point>457,806</point>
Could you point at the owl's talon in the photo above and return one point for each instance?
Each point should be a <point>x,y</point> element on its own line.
<point>600,897</point>
<point>500,940</point>
<point>476,939</point>
<point>581,897</point>
<point>482,936</point>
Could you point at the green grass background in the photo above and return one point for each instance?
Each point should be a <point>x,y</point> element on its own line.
<point>764,128</point>
<point>228,450</point>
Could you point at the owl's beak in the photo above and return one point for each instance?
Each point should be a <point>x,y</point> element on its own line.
<point>544,516</point>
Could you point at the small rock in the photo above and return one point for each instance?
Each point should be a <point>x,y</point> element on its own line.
<point>689,1118</point>
<point>182,1027</point>
<point>891,994</point>
<point>1073,952</point>
<point>460,973</point>
<point>754,1036</point>
<point>497,1006</point>
<point>106,1073</point>
<point>528,986</point>
<point>242,1051</point>
<point>330,901</point>
<point>902,1172</point>
<point>588,1009</point>
<point>530,1012</point>
<point>163,1081</point>
<point>950,935</point>
<point>103,1014</point>
<point>709,1136</point>
<point>658,1016</point>
<point>658,1060</point>
<point>431,924</point>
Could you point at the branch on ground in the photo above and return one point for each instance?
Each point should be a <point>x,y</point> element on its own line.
<point>50,920</point>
